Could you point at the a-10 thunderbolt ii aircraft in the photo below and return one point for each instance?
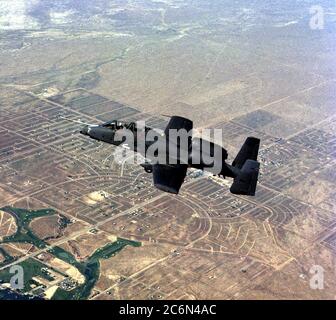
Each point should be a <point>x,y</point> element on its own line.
<point>168,175</point>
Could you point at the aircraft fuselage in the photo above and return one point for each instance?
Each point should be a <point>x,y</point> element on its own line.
<point>194,154</point>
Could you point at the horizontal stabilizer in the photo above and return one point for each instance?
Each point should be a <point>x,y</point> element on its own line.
<point>246,181</point>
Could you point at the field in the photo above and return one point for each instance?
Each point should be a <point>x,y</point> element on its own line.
<point>249,68</point>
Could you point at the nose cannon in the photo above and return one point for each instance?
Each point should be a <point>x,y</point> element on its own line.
<point>85,130</point>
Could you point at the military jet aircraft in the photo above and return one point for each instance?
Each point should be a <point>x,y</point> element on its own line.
<point>169,175</point>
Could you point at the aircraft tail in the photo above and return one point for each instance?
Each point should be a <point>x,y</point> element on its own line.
<point>249,151</point>
<point>246,163</point>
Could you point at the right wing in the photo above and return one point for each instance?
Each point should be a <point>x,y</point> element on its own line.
<point>169,178</point>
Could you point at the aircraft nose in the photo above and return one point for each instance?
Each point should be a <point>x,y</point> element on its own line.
<point>85,130</point>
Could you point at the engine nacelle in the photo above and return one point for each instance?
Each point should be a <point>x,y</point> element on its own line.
<point>204,153</point>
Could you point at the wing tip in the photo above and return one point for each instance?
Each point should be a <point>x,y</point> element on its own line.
<point>166,189</point>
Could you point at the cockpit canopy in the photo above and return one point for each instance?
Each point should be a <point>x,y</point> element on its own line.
<point>114,125</point>
<point>117,125</point>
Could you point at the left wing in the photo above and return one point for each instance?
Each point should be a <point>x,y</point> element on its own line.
<point>169,178</point>
<point>178,123</point>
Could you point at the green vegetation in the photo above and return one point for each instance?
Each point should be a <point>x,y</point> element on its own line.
<point>23,218</point>
<point>64,222</point>
<point>66,256</point>
<point>7,294</point>
<point>90,269</point>
<point>111,249</point>
<point>32,268</point>
<point>8,257</point>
